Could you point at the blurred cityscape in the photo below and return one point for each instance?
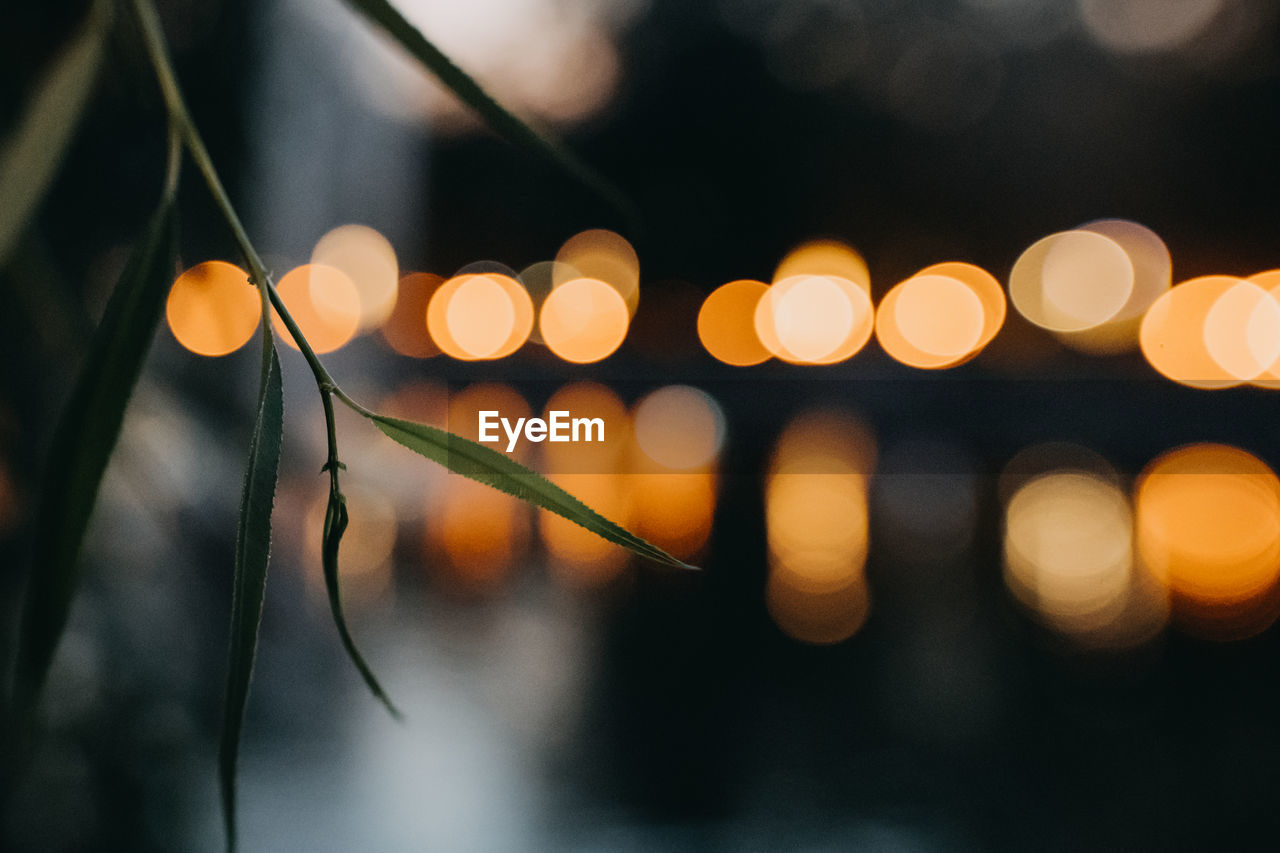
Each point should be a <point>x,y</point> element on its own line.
<point>947,344</point>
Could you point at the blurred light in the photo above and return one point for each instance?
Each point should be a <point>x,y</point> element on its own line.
<point>809,319</point>
<point>602,255</point>
<point>984,286</point>
<point>1269,281</point>
<point>816,524</point>
<point>1209,528</point>
<point>583,320</point>
<point>213,309</point>
<point>825,257</point>
<point>364,555</point>
<point>726,323</point>
<point>1068,550</point>
<point>480,531</point>
<point>591,472</point>
<point>673,510</point>
<point>1173,333</point>
<point>1071,280</point>
<point>930,321</point>
<point>1146,26</point>
<point>540,279</point>
<point>369,261</point>
<point>480,316</point>
<point>1152,276</point>
<point>1242,330</point>
<point>679,427</point>
<point>406,328</point>
<point>323,302</point>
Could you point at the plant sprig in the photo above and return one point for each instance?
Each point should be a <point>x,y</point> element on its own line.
<point>90,425</point>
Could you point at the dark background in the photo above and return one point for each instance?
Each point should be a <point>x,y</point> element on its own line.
<point>943,724</point>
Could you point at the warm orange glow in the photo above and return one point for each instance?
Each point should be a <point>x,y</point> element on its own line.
<point>1269,281</point>
<point>1071,280</point>
<point>480,316</point>
<point>583,320</point>
<point>604,256</point>
<point>1209,528</point>
<point>985,287</point>
<point>811,319</point>
<point>816,524</point>
<point>364,564</point>
<point>323,302</point>
<point>825,257</point>
<point>213,309</point>
<point>369,262</point>
<point>1152,276</point>
<point>1242,330</point>
<point>539,279</point>
<point>1173,333</point>
<point>679,427</point>
<point>591,472</point>
<point>726,323</point>
<point>406,328</point>
<point>479,531</point>
<point>930,321</point>
<point>1068,550</point>
<point>673,510</point>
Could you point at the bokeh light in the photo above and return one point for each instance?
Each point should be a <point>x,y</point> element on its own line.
<point>593,473</point>
<point>679,427</point>
<point>1068,549</point>
<point>1173,333</point>
<point>811,319</point>
<point>212,308</point>
<point>726,323</point>
<point>1269,281</point>
<point>583,320</point>
<point>323,302</point>
<point>605,256</point>
<point>1242,330</point>
<point>825,257</point>
<point>931,321</point>
<point>1152,277</point>
<point>1071,280</point>
<point>1147,26</point>
<point>369,261</point>
<point>539,279</point>
<point>1208,526</point>
<point>816,524</point>
<point>406,329</point>
<point>479,531</point>
<point>480,316</point>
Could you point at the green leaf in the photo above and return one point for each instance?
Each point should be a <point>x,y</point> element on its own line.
<point>498,117</point>
<point>253,548</point>
<point>31,154</point>
<point>492,468</point>
<point>335,524</point>
<point>82,444</point>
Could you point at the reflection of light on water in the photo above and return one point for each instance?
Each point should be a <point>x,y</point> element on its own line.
<point>479,531</point>
<point>1209,529</point>
<point>212,309</point>
<point>816,525</point>
<point>679,427</point>
<point>590,472</point>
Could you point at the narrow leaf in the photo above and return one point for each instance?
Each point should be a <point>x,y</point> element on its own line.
<point>253,547</point>
<point>82,444</point>
<point>30,155</point>
<point>492,468</point>
<point>335,524</point>
<point>498,117</point>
